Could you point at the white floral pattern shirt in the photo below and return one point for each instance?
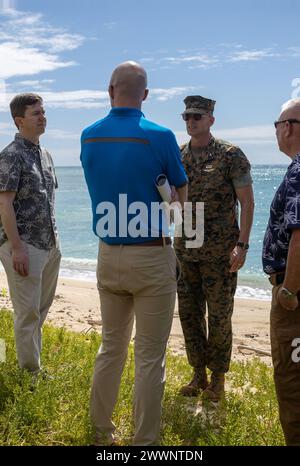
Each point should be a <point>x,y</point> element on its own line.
<point>284,217</point>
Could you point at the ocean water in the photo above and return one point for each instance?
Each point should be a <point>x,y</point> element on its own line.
<point>80,246</point>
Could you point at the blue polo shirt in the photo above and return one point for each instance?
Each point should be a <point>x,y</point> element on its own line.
<point>284,218</point>
<point>122,155</point>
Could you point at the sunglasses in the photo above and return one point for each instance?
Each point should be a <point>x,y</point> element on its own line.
<point>290,120</point>
<point>194,116</point>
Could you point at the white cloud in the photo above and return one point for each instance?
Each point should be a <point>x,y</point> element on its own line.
<point>99,99</point>
<point>20,60</point>
<point>67,99</point>
<point>230,45</point>
<point>87,98</point>
<point>7,6</point>
<point>33,85</point>
<point>76,99</point>
<point>62,134</point>
<point>28,45</point>
<point>264,134</point>
<point>34,82</point>
<point>110,25</point>
<point>6,129</point>
<point>251,55</point>
<point>203,59</point>
<point>221,54</point>
<point>56,43</point>
<point>294,51</point>
<point>167,94</point>
<point>190,58</point>
<point>29,20</point>
<point>2,91</point>
<point>146,60</point>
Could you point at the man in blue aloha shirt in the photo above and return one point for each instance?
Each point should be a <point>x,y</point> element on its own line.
<point>281,260</point>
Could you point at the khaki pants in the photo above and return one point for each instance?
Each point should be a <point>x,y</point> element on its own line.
<point>285,327</point>
<point>140,282</point>
<point>31,297</point>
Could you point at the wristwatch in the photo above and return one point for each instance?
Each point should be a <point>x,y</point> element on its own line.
<point>244,246</point>
<point>287,292</point>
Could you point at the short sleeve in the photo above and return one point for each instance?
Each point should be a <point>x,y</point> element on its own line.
<point>10,171</point>
<point>239,168</point>
<point>174,169</point>
<point>51,164</point>
<point>292,205</point>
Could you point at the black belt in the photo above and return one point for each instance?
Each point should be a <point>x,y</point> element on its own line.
<point>276,278</point>
<point>154,242</point>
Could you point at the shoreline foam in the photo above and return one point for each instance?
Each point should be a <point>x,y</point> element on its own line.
<point>76,307</point>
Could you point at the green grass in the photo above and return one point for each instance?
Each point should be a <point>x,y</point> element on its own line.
<point>57,411</point>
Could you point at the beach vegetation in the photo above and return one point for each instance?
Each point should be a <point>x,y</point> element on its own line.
<point>55,410</point>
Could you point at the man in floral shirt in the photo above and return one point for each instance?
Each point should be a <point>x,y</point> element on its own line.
<point>281,260</point>
<point>29,248</point>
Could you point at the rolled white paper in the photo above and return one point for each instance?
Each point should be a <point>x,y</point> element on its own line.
<point>164,190</point>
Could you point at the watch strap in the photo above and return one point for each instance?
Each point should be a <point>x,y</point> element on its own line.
<point>244,246</point>
<point>287,292</point>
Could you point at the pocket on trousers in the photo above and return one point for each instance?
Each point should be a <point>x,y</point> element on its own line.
<point>275,290</point>
<point>4,250</point>
<point>99,271</point>
<point>106,272</point>
<point>178,269</point>
<point>173,264</point>
<point>287,357</point>
<point>157,269</point>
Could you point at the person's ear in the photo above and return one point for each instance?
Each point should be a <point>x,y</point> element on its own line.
<point>288,130</point>
<point>146,94</point>
<point>111,91</point>
<point>18,122</point>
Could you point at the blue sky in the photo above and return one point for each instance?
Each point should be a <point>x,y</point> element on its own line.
<point>245,55</point>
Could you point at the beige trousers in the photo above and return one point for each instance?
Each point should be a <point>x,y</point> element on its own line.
<point>31,297</point>
<point>134,282</point>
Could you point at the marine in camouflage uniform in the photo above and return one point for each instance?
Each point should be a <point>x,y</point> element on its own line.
<point>219,175</point>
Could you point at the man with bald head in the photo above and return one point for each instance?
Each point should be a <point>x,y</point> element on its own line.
<point>128,83</point>
<point>122,155</point>
<point>281,260</point>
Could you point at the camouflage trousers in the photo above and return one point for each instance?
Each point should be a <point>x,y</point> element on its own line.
<point>211,285</point>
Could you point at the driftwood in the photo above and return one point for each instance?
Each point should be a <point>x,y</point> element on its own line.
<point>256,350</point>
<point>93,322</point>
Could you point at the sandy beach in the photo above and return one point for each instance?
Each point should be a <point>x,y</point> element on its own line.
<point>76,307</point>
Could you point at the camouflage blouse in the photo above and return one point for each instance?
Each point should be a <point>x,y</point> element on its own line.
<point>28,170</point>
<point>213,177</point>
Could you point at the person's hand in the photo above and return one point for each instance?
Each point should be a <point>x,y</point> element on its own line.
<point>174,195</point>
<point>20,260</point>
<point>287,302</point>
<point>237,259</point>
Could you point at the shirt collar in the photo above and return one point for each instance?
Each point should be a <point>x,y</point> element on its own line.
<point>209,145</point>
<point>125,112</point>
<point>26,142</point>
<point>297,158</point>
